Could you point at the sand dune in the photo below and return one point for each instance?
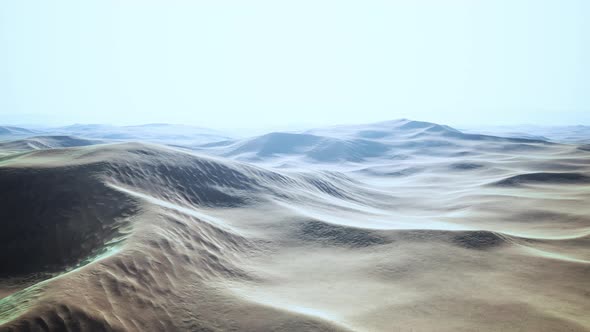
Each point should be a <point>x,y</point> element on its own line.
<point>44,143</point>
<point>566,134</point>
<point>396,226</point>
<point>314,148</point>
<point>558,178</point>
<point>155,132</point>
<point>15,131</point>
<point>368,144</point>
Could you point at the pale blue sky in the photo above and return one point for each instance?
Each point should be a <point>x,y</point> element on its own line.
<point>263,63</point>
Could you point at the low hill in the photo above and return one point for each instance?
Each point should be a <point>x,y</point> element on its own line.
<point>45,142</point>
<point>359,143</point>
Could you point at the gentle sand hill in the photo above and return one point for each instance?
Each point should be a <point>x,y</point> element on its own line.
<point>43,143</point>
<point>436,231</point>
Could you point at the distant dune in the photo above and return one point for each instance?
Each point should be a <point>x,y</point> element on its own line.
<point>43,143</point>
<point>564,134</point>
<point>316,148</point>
<point>366,143</point>
<point>395,226</point>
<point>155,133</point>
<point>10,131</point>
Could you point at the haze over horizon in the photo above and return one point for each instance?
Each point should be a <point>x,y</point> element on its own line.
<point>268,64</point>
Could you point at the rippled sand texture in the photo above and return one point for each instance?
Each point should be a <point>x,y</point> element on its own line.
<point>398,226</point>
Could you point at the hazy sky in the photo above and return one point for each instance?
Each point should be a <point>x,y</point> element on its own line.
<point>261,63</point>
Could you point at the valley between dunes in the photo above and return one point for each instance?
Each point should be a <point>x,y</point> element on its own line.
<point>396,226</point>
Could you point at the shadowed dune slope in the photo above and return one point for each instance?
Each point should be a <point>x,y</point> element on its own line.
<point>55,217</point>
<point>551,178</point>
<point>77,200</point>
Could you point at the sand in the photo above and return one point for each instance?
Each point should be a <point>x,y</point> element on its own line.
<point>397,226</point>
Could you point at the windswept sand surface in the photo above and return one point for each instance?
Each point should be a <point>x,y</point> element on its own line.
<point>398,226</point>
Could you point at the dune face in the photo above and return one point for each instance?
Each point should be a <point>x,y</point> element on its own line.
<point>48,231</point>
<point>401,225</point>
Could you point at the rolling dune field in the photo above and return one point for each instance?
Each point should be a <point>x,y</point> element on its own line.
<point>394,226</point>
